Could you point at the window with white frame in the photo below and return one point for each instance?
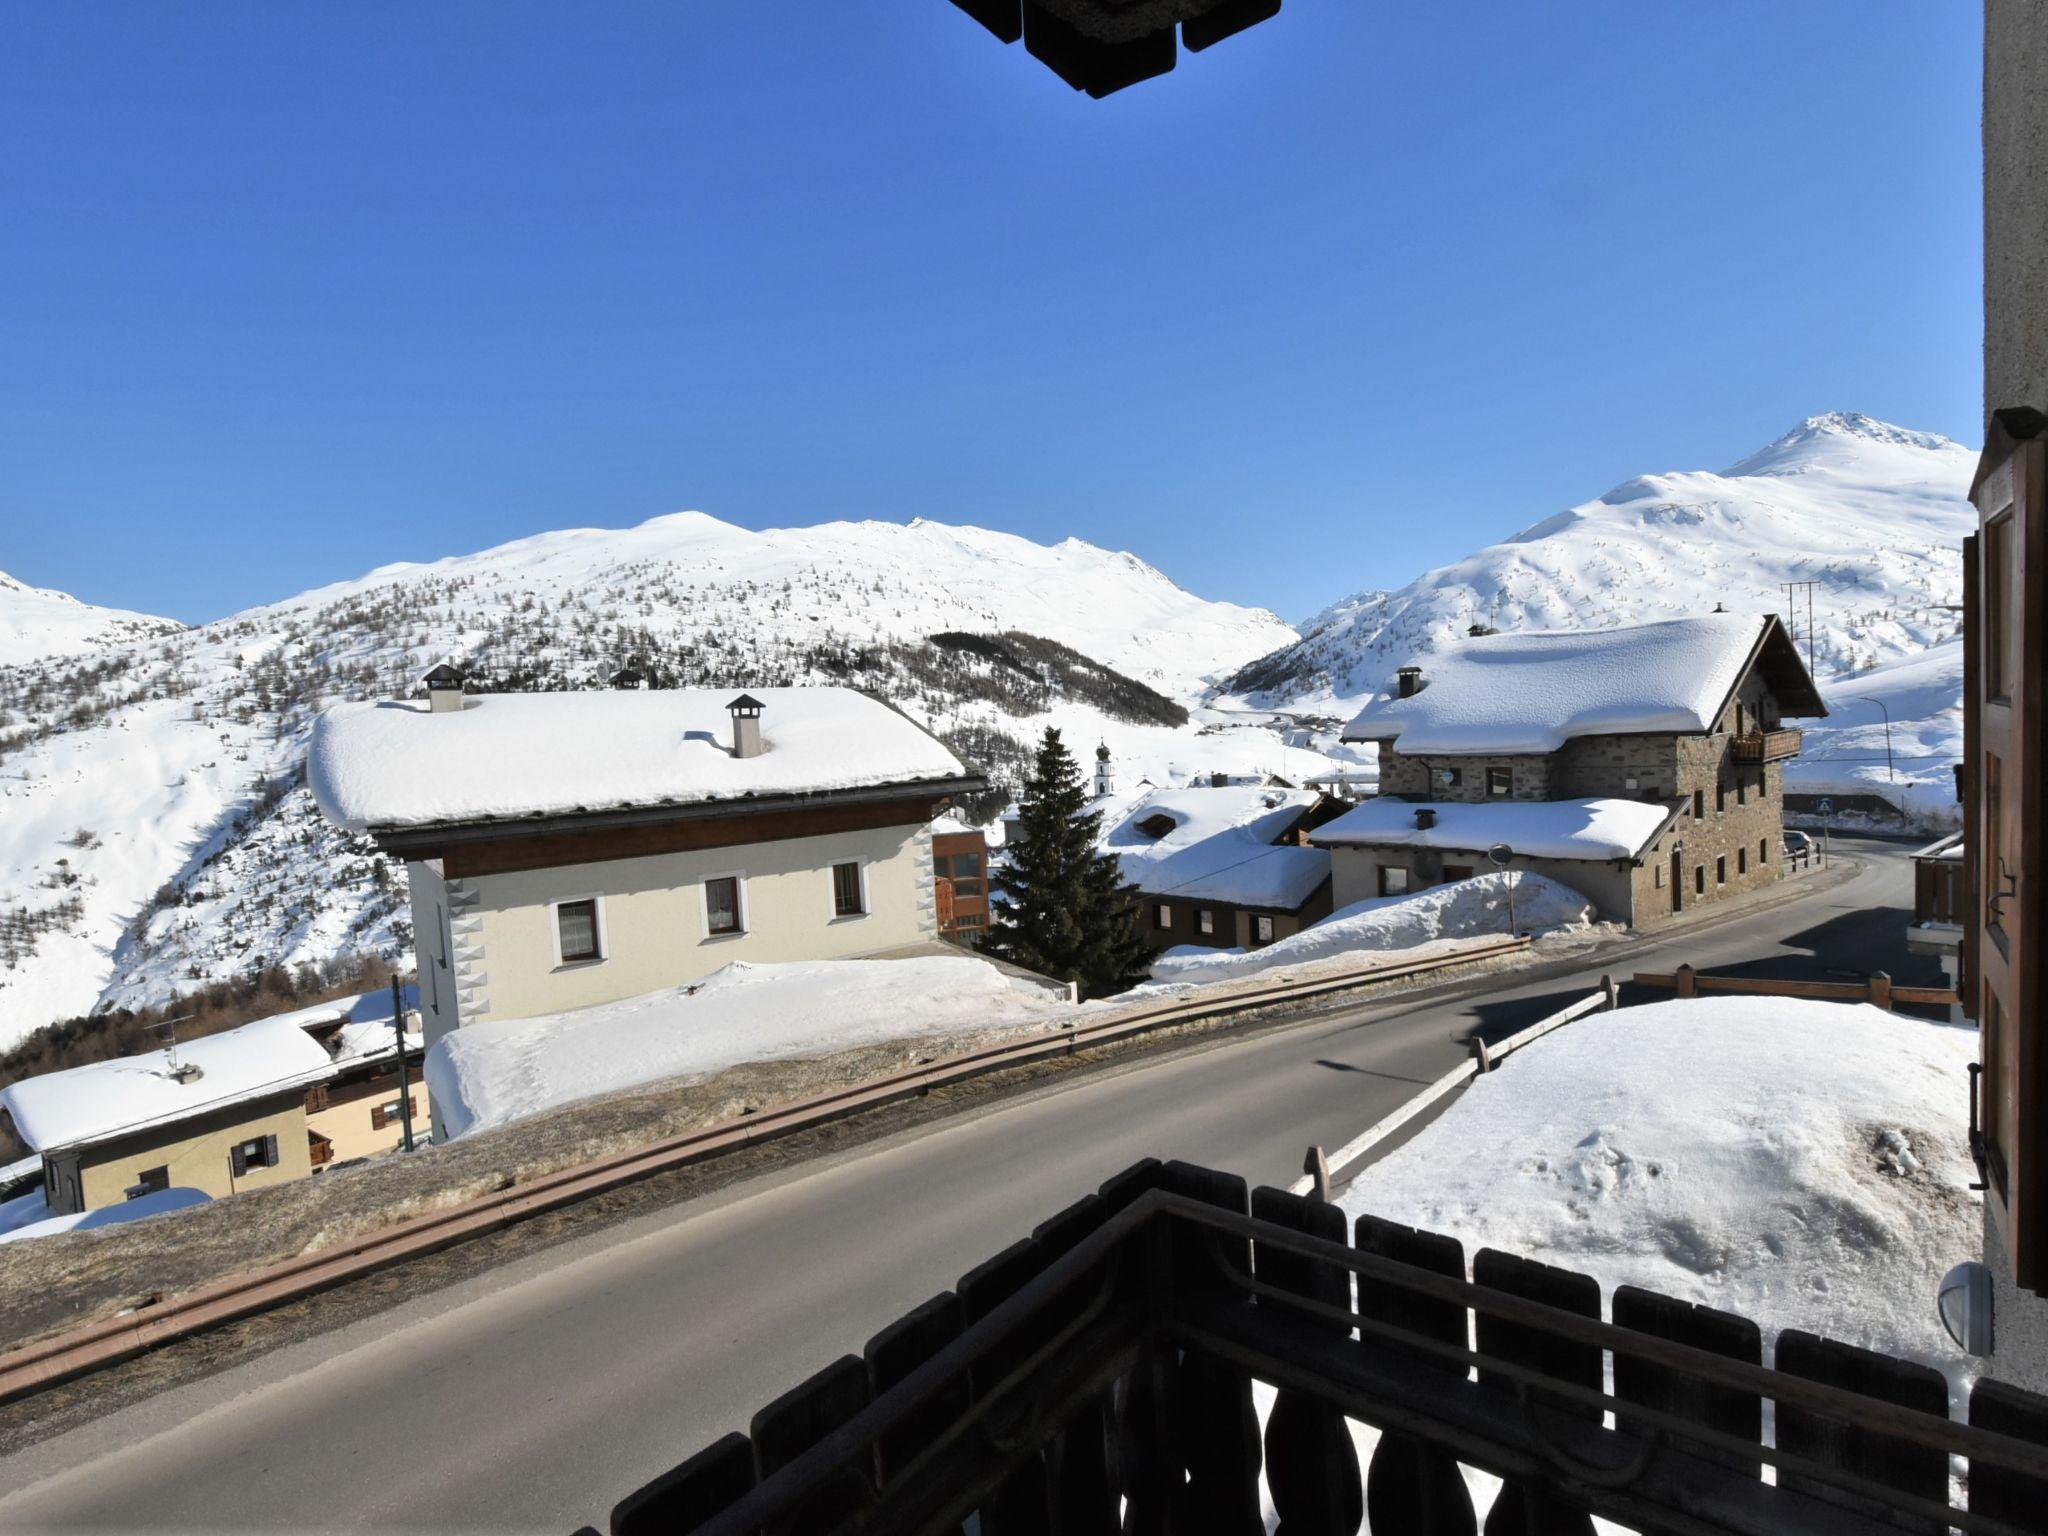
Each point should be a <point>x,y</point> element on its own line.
<point>578,939</point>
<point>849,898</point>
<point>1262,930</point>
<point>1162,915</point>
<point>722,913</point>
<point>1208,921</point>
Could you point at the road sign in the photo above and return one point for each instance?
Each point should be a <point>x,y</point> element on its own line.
<point>1500,855</point>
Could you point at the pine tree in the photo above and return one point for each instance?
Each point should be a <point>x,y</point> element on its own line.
<point>1069,914</point>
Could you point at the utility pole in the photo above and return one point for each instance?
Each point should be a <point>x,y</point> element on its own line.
<point>1792,612</point>
<point>404,1084</point>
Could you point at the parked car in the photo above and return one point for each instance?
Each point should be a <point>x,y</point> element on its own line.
<point>1798,848</point>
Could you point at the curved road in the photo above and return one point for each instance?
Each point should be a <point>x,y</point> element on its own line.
<point>533,1396</point>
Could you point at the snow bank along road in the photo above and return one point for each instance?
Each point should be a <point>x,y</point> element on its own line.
<point>532,1396</point>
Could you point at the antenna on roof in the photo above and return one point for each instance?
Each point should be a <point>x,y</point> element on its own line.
<point>190,1070</point>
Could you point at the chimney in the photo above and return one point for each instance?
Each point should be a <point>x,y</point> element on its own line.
<point>629,676</point>
<point>746,725</point>
<point>1408,682</point>
<point>1425,818</point>
<point>444,689</point>
<point>1476,630</point>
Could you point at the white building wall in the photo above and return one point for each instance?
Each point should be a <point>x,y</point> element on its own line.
<point>653,925</point>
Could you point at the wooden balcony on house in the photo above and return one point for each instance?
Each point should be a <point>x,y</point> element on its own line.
<point>1098,1377</point>
<point>320,1149</point>
<point>1769,746</point>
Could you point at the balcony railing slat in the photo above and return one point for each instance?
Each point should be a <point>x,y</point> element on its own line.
<point>1999,1491</point>
<point>686,1496</point>
<point>892,1355</point>
<point>1729,1410</point>
<point>1413,1485</point>
<point>1524,1505</point>
<point>800,1419</point>
<point>1921,1471</point>
<point>1312,1469</point>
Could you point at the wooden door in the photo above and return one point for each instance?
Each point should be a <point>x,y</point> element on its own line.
<point>2009,667</point>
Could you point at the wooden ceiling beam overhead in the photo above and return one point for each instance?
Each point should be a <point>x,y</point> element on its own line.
<point>1100,46</point>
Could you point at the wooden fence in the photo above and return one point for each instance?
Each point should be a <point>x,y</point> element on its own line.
<point>1097,1378</point>
<point>1877,989</point>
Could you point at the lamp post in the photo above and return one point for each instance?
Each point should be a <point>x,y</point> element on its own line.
<point>1500,855</point>
<point>1890,771</point>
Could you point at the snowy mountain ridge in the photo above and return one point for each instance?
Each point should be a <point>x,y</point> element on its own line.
<point>40,622</point>
<point>1873,513</point>
<point>156,834</point>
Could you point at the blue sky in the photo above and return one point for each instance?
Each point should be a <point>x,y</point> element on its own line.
<point>291,290</point>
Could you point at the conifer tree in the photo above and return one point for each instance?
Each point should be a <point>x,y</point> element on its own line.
<point>1069,914</point>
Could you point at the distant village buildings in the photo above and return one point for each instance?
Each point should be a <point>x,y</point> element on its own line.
<point>568,849</point>
<point>1642,766</point>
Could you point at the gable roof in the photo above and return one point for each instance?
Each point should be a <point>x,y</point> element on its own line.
<point>1532,691</point>
<point>1597,829</point>
<point>510,756</point>
<point>1219,845</point>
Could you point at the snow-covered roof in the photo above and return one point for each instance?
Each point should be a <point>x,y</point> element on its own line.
<point>1219,846</point>
<point>1534,691</point>
<point>397,764</point>
<point>251,1061</point>
<point>1541,829</point>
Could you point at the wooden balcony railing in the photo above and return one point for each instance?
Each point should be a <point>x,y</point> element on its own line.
<point>319,1149</point>
<point>1769,746</point>
<point>1097,1378</point>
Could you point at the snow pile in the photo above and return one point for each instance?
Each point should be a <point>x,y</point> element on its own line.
<point>490,1074</point>
<point>1533,692</point>
<point>1217,843</point>
<point>27,1216</point>
<point>1464,909</point>
<point>1537,829</point>
<point>397,764</point>
<point>1805,1164</point>
<point>1875,513</point>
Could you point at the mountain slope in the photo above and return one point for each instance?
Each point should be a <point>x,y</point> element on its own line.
<point>155,832</point>
<point>40,622</point>
<point>1874,513</point>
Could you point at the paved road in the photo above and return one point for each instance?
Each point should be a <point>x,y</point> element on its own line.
<point>532,1396</point>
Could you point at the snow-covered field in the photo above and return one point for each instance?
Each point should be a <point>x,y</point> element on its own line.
<point>488,1074</point>
<point>1805,1164</point>
<point>1845,753</point>
<point>1412,924</point>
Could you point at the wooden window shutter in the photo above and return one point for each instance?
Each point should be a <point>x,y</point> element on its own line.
<point>238,1161</point>
<point>270,1151</point>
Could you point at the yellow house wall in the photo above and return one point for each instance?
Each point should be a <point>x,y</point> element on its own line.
<point>197,1154</point>
<point>346,1119</point>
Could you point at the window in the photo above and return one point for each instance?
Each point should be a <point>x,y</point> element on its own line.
<point>969,920</point>
<point>1721,870</point>
<point>964,870</point>
<point>1162,915</point>
<point>148,1182</point>
<point>1720,795</point>
<point>1206,920</point>
<point>1742,861</point>
<point>848,899</point>
<point>1763,850</point>
<point>1763,785</point>
<point>1451,778</point>
<point>258,1152</point>
<point>382,1115</point>
<point>1658,869</point>
<point>1262,930</point>
<point>1997,577</point>
<point>576,931</point>
<point>1393,880</point>
<point>1741,720</point>
<point>1699,879</point>
<point>1500,781</point>
<point>1456,872</point>
<point>722,906</point>
<point>1699,805</point>
<point>1741,790</point>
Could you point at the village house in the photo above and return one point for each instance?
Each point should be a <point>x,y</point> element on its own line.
<point>569,849</point>
<point>263,1103</point>
<point>960,879</point>
<point>1226,867</point>
<point>1642,766</point>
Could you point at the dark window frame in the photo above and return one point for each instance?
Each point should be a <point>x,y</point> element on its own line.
<point>850,898</point>
<point>734,922</point>
<point>580,956</point>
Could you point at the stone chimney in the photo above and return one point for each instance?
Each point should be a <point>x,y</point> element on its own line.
<point>444,689</point>
<point>1408,682</point>
<point>746,725</point>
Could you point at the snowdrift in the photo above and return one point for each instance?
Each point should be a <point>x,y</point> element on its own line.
<point>1464,909</point>
<point>1803,1163</point>
<point>488,1074</point>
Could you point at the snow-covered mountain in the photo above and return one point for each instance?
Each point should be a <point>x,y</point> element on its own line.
<point>1875,514</point>
<point>155,833</point>
<point>40,622</point>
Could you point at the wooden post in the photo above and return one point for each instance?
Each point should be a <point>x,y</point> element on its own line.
<point>1317,1167</point>
<point>1481,1054</point>
<point>1688,982</point>
<point>1881,989</point>
<point>1610,998</point>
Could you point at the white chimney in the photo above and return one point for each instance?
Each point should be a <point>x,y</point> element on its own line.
<point>746,725</point>
<point>444,688</point>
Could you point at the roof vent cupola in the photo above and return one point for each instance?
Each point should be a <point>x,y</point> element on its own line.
<point>444,688</point>
<point>746,725</point>
<point>1408,682</point>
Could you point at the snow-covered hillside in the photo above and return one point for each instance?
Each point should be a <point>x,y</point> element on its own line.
<point>155,833</point>
<point>39,622</point>
<point>1845,754</point>
<point>1874,513</point>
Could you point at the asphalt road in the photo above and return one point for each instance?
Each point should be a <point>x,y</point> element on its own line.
<point>531,1397</point>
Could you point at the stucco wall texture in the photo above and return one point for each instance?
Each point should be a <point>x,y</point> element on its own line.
<point>2015,204</point>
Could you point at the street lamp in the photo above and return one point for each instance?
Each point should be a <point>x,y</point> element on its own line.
<point>1888,768</point>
